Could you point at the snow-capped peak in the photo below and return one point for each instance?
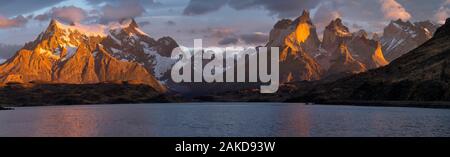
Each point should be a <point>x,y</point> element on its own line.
<point>129,26</point>
<point>88,30</point>
<point>400,37</point>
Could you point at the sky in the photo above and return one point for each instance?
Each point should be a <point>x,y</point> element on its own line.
<point>218,22</point>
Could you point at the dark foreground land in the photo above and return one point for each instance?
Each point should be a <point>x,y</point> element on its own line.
<point>421,95</point>
<point>5,108</point>
<point>16,95</point>
<point>373,103</point>
<point>23,95</point>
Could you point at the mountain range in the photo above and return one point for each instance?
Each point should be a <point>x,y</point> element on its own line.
<point>420,77</point>
<point>400,37</point>
<point>422,74</point>
<point>77,54</point>
<point>349,63</point>
<point>304,57</point>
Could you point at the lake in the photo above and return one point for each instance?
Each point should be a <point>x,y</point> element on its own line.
<point>224,120</point>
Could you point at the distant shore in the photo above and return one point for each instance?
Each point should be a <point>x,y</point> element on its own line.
<point>6,108</point>
<point>417,104</point>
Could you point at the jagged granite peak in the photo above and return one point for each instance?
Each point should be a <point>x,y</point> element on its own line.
<point>430,26</point>
<point>400,37</point>
<point>298,42</point>
<point>297,65</point>
<point>361,33</point>
<point>53,24</point>
<point>367,51</point>
<point>304,18</point>
<point>338,27</point>
<point>376,37</point>
<point>129,26</point>
<point>300,32</point>
<point>344,62</point>
<point>334,34</point>
<point>165,45</point>
<point>283,24</point>
<point>132,23</point>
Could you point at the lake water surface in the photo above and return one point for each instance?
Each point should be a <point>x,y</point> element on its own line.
<point>224,119</point>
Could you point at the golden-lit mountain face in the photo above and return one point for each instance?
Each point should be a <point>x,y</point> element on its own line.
<point>296,39</point>
<point>378,57</point>
<point>74,54</point>
<point>302,32</point>
<point>340,51</point>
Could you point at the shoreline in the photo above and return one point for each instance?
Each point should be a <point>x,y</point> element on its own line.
<point>406,104</point>
<point>5,108</point>
<point>411,104</point>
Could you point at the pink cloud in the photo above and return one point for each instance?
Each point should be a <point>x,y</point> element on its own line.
<point>18,21</point>
<point>443,13</point>
<point>71,13</point>
<point>325,13</point>
<point>122,10</point>
<point>393,10</point>
<point>67,14</point>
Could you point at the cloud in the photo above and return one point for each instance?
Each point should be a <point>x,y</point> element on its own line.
<point>67,14</point>
<point>255,38</point>
<point>218,32</point>
<point>228,41</point>
<point>443,13</point>
<point>144,23</point>
<point>369,13</point>
<point>42,17</point>
<point>357,27</point>
<point>70,14</point>
<point>121,10</point>
<point>281,8</point>
<point>421,10</point>
<point>325,13</point>
<point>18,21</point>
<point>393,10</point>
<point>230,38</point>
<point>198,7</point>
<point>16,7</point>
<point>142,2</point>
